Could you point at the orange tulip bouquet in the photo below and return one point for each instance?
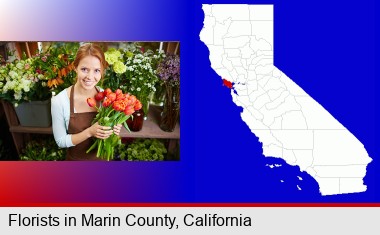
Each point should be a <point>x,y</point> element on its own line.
<point>114,108</point>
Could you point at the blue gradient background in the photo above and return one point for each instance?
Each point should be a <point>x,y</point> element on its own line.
<point>327,47</point>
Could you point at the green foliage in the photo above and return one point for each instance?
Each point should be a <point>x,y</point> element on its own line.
<point>56,65</point>
<point>121,151</point>
<point>43,150</point>
<point>35,78</point>
<point>143,150</point>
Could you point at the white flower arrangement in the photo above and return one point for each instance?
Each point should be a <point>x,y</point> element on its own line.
<point>17,80</point>
<point>134,70</point>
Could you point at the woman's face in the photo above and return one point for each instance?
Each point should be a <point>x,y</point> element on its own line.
<point>88,72</point>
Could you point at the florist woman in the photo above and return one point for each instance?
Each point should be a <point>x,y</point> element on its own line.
<point>71,115</point>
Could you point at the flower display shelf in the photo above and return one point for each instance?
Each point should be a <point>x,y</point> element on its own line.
<point>151,129</point>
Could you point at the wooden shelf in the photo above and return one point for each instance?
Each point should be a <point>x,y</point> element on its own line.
<point>150,128</point>
<point>34,130</point>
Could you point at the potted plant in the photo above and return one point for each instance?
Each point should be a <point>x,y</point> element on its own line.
<point>28,83</point>
<point>168,71</point>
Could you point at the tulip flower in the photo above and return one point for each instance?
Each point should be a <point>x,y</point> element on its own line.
<point>91,102</point>
<point>111,96</point>
<point>118,91</point>
<point>99,96</point>
<point>129,110</point>
<point>116,109</point>
<point>138,105</point>
<point>107,91</point>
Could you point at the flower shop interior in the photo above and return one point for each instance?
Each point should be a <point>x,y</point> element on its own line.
<point>31,73</point>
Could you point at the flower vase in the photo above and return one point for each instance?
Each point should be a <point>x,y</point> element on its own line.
<point>159,95</point>
<point>170,114</point>
<point>34,113</point>
<point>135,123</point>
<point>145,107</point>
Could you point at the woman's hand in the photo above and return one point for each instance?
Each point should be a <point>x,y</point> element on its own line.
<point>117,129</point>
<point>100,132</point>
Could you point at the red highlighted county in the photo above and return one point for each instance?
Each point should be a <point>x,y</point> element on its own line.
<point>227,83</point>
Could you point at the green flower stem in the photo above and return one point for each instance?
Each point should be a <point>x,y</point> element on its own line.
<point>93,146</point>
<point>98,154</point>
<point>105,148</point>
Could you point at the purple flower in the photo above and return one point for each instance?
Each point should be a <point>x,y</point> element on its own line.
<point>169,68</point>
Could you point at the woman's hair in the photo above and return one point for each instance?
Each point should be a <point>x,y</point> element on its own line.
<point>93,50</point>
